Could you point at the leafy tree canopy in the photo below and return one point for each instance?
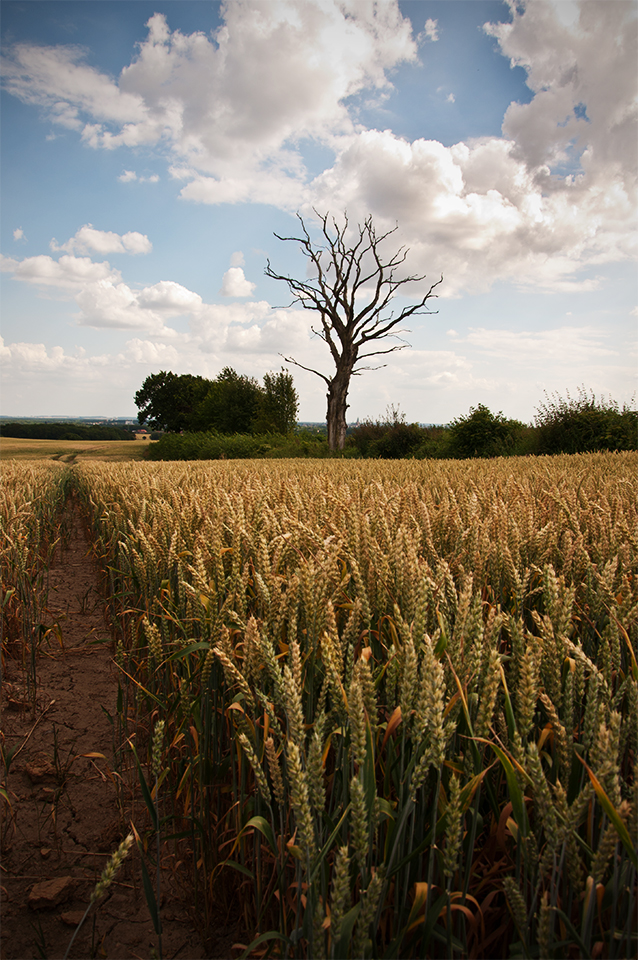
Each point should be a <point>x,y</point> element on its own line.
<point>232,403</point>
<point>166,401</point>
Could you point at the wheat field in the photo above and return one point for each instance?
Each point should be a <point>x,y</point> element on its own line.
<point>390,709</point>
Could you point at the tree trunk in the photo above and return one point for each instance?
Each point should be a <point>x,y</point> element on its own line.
<point>337,406</point>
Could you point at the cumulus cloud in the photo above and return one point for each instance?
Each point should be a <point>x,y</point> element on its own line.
<point>22,358</point>
<point>117,306</point>
<point>39,377</point>
<point>147,351</point>
<point>102,296</point>
<point>234,284</point>
<point>171,298</point>
<point>130,176</point>
<point>253,330</point>
<point>104,241</point>
<point>272,74</point>
<point>18,234</point>
<point>476,212</point>
<point>555,194</point>
<point>105,301</point>
<point>581,66</point>
<point>430,31</point>
<point>66,273</point>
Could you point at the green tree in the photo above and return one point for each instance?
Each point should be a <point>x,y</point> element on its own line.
<point>484,434</point>
<point>279,404</point>
<point>231,404</point>
<point>167,401</point>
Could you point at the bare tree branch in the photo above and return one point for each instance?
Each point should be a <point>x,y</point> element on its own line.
<point>343,274</point>
<point>309,369</point>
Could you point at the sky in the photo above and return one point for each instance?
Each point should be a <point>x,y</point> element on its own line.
<point>151,152</point>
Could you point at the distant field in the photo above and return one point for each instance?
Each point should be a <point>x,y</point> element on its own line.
<point>70,450</point>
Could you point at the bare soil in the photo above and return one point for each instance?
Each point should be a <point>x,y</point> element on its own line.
<point>69,810</point>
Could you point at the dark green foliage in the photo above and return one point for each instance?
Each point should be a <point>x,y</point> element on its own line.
<point>230,406</point>
<point>215,446</point>
<point>279,404</point>
<point>231,403</point>
<point>435,444</point>
<point>484,434</point>
<point>63,431</point>
<point>167,401</point>
<point>391,438</point>
<point>584,424</point>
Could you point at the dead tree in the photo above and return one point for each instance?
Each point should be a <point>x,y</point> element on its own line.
<point>351,289</point>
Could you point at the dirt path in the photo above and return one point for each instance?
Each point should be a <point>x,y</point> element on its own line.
<point>66,820</point>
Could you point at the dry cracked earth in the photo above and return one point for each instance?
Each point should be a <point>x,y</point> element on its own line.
<point>69,808</point>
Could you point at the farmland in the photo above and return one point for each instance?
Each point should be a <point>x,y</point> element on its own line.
<point>379,709</point>
<point>69,450</point>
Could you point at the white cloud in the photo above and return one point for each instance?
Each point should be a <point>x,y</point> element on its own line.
<point>105,301</point>
<point>113,305</point>
<point>416,369</point>
<point>146,351</point>
<point>450,98</point>
<point>237,259</point>
<point>103,298</point>
<point>272,74</point>
<point>252,330</point>
<point>586,59</point>
<point>523,347</point>
<point>277,189</point>
<point>18,234</point>
<point>477,213</point>
<point>169,297</point>
<point>104,241</point>
<point>129,176</point>
<point>554,195</point>
<point>234,284</point>
<point>116,306</point>
<point>430,31</point>
<point>66,273</point>
<point>20,358</point>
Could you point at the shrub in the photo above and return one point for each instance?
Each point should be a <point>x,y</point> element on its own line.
<point>484,434</point>
<point>390,438</point>
<point>208,445</point>
<point>584,424</point>
<point>435,444</point>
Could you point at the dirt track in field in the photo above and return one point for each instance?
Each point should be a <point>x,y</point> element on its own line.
<point>68,811</point>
